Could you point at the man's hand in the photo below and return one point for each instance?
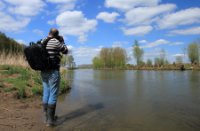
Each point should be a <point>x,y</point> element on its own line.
<point>61,39</point>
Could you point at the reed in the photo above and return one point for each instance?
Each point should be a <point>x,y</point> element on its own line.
<point>13,59</point>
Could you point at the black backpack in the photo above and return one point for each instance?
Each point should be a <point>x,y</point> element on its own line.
<point>37,55</point>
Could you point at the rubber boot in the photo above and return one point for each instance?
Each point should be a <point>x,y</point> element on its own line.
<point>51,115</point>
<point>45,117</point>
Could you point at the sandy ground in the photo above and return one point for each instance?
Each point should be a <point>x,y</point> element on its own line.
<point>21,115</point>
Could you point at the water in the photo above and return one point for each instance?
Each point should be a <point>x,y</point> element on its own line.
<point>131,101</point>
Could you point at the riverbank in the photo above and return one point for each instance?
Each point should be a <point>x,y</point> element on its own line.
<point>21,94</point>
<point>23,82</point>
<point>20,115</point>
<point>154,68</point>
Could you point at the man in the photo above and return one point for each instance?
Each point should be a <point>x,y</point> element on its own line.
<point>51,76</point>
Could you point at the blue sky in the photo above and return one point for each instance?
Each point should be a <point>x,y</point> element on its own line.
<point>89,25</point>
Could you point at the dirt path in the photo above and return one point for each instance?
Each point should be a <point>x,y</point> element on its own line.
<point>21,115</point>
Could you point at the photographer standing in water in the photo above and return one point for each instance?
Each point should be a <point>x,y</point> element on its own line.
<point>51,76</point>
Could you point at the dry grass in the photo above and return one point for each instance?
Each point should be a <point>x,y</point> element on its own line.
<point>11,59</point>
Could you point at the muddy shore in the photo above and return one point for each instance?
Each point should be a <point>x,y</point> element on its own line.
<point>21,115</point>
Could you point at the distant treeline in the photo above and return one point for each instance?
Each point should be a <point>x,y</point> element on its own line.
<point>110,58</point>
<point>116,58</point>
<point>9,45</point>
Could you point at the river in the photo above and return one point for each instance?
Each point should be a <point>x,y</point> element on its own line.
<point>131,101</point>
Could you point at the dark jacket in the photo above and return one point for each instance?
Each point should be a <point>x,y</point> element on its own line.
<point>54,48</point>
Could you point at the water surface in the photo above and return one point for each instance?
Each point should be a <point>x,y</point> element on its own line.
<point>131,100</point>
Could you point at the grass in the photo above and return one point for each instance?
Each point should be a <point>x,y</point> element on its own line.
<point>18,78</point>
<point>24,82</point>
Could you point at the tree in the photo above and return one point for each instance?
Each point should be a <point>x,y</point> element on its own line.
<point>137,52</point>
<point>9,46</point>
<point>160,61</point>
<point>157,61</point>
<point>179,59</point>
<point>64,60</point>
<point>193,53</point>
<point>162,57</point>
<point>110,58</point>
<point>105,56</point>
<point>149,63</point>
<point>119,57</point>
<point>184,54</point>
<point>97,62</point>
<point>70,61</point>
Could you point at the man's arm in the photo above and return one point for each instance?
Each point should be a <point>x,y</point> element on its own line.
<point>62,47</point>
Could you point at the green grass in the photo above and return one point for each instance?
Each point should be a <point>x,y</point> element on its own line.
<point>25,81</point>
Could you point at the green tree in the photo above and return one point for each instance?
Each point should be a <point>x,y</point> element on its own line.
<point>157,61</point>
<point>110,58</point>
<point>70,61</point>
<point>137,52</point>
<point>64,60</point>
<point>162,57</point>
<point>193,53</point>
<point>119,57</point>
<point>9,46</point>
<point>149,63</point>
<point>97,62</point>
<point>166,62</point>
<point>105,56</point>
<point>179,59</point>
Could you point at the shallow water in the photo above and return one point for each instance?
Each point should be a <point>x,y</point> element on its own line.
<point>131,100</point>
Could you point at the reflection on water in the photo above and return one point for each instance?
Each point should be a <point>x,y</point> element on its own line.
<point>132,100</point>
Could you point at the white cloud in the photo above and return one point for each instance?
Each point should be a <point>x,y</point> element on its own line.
<point>25,7</point>
<point>21,42</point>
<point>82,38</point>
<point>152,54</point>
<point>183,17</point>
<point>9,24</point>
<point>16,14</point>
<point>143,41</point>
<point>119,43</point>
<point>116,45</point>
<point>51,22</point>
<point>70,47</point>
<point>64,5</point>
<point>140,30</point>
<point>156,43</point>
<point>179,55</point>
<point>61,1</point>
<point>176,43</point>
<point>74,23</point>
<point>107,17</point>
<point>129,4</point>
<point>86,51</point>
<point>190,31</point>
<point>38,32</point>
<point>84,55</point>
<point>146,15</point>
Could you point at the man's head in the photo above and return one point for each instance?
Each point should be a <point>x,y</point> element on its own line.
<point>53,32</point>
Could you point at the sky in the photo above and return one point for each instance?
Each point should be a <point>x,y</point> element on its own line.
<point>89,25</point>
